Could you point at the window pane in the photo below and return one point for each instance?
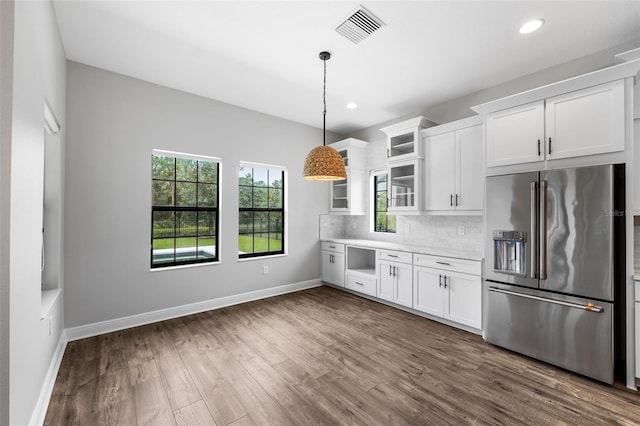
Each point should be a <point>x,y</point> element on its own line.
<point>275,198</point>
<point>206,248</point>
<point>245,243</point>
<point>163,251</point>
<point>162,193</point>
<point>185,194</point>
<point>260,222</point>
<point>275,222</point>
<point>381,222</point>
<point>260,200</point>
<point>186,225</point>
<point>162,167</point>
<point>246,223</point>
<point>246,197</point>
<point>275,241</point>
<point>391,223</point>
<point>163,225</point>
<point>207,172</point>
<point>206,224</point>
<point>275,178</point>
<point>245,176</point>
<point>260,177</point>
<point>207,195</point>
<point>186,170</point>
<point>381,183</point>
<point>381,201</point>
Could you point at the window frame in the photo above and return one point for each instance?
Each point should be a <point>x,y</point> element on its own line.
<point>283,210</point>
<point>374,205</point>
<point>194,209</point>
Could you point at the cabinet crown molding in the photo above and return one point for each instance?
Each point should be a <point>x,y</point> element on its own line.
<point>412,123</point>
<point>605,75</point>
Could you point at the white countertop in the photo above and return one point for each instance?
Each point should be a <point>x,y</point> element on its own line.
<point>454,253</point>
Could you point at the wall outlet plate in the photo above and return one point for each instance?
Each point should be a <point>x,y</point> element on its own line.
<point>461,230</point>
<point>265,269</point>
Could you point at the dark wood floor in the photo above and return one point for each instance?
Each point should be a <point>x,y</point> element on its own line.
<point>319,356</point>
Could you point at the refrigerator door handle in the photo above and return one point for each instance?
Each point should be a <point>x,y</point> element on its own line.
<point>588,307</point>
<point>533,273</point>
<point>543,230</point>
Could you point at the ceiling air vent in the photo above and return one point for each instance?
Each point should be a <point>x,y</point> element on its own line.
<point>360,25</point>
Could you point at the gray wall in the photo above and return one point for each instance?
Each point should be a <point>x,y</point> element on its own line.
<point>6,99</point>
<point>114,123</point>
<point>39,68</point>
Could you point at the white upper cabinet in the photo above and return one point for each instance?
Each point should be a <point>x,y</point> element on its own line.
<point>348,196</point>
<point>404,186</point>
<point>515,135</point>
<point>403,139</point>
<point>454,179</point>
<point>582,122</point>
<point>585,122</point>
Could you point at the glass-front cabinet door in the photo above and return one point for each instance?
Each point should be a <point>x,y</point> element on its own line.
<point>348,196</point>
<point>404,186</point>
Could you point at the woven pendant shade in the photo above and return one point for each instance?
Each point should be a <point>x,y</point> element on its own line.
<point>324,163</point>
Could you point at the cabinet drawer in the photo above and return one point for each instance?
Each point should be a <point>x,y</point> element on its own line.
<point>361,283</point>
<point>395,256</point>
<point>338,248</point>
<point>447,263</point>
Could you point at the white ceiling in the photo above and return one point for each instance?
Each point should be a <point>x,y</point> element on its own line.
<point>263,55</point>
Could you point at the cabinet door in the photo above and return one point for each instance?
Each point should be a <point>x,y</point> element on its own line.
<point>386,281</point>
<point>585,122</point>
<point>470,179</point>
<point>404,145</point>
<point>327,266</point>
<point>340,195</point>
<point>403,187</point>
<point>338,269</point>
<point>637,313</point>
<point>427,291</point>
<point>463,300</point>
<point>515,135</point>
<point>440,172</point>
<point>404,285</point>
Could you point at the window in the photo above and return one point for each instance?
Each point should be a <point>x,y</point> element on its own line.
<point>184,209</point>
<point>382,222</point>
<point>261,210</point>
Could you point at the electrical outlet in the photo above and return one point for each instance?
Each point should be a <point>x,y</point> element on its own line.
<point>407,227</point>
<point>461,230</point>
<point>265,269</point>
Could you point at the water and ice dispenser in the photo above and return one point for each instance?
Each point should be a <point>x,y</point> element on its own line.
<point>510,252</point>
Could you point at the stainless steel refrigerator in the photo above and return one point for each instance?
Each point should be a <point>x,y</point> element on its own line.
<point>554,267</point>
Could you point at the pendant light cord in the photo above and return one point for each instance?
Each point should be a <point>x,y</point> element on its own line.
<point>324,102</point>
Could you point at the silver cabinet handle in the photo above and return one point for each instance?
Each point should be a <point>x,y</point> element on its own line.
<point>443,263</point>
<point>549,145</point>
<point>588,307</point>
<point>393,255</point>
<point>445,281</point>
<point>332,247</point>
<point>534,231</point>
<point>457,200</point>
<point>390,271</point>
<point>394,271</point>
<point>359,283</point>
<point>439,280</point>
<point>539,152</point>
<point>451,200</point>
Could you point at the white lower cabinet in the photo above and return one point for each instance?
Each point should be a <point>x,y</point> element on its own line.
<point>445,292</point>
<point>333,263</point>
<point>361,282</point>
<point>395,277</point>
<point>637,314</point>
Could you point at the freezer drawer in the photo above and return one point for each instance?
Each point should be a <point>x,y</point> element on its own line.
<point>566,332</point>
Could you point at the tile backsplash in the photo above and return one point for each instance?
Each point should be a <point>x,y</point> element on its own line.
<point>426,231</point>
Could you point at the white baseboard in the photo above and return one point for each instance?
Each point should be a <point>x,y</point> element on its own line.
<point>40,410</point>
<point>80,332</point>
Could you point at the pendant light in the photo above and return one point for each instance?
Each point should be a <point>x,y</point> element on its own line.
<point>324,163</point>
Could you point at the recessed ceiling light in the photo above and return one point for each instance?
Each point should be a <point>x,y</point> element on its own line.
<point>531,26</point>
<point>352,105</point>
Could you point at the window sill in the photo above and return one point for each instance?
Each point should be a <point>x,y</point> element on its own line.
<point>246,259</point>
<point>192,265</point>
